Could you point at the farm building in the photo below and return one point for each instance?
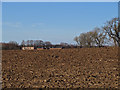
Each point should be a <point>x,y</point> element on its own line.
<point>27,48</point>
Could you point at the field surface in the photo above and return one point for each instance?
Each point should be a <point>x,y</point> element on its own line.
<point>65,68</point>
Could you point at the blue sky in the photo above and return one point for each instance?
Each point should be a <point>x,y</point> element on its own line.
<point>54,22</point>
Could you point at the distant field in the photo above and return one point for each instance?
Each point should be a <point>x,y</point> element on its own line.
<point>65,68</point>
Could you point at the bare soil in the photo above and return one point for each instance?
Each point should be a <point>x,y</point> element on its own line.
<point>65,68</point>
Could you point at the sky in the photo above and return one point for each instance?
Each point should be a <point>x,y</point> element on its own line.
<point>53,21</point>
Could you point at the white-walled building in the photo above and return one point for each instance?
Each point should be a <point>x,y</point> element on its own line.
<point>27,48</point>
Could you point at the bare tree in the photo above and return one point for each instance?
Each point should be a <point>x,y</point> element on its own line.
<point>85,39</point>
<point>76,39</point>
<point>28,42</point>
<point>31,43</point>
<point>111,29</point>
<point>64,44</point>
<point>47,43</point>
<point>36,43</point>
<point>89,40</point>
<point>99,36</point>
<point>82,39</point>
<point>23,43</point>
<point>13,43</point>
<point>40,43</point>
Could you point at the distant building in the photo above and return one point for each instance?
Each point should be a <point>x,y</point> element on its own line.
<point>27,48</point>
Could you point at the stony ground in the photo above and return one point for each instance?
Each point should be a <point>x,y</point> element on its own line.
<point>66,68</point>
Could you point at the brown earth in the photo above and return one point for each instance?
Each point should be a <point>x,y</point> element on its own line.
<point>66,68</point>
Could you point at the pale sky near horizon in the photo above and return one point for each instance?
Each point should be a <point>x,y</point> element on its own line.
<point>54,21</point>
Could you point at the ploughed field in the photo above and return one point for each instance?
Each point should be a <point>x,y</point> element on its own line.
<point>65,68</point>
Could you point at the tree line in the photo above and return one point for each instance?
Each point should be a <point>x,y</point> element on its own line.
<point>35,43</point>
<point>13,45</point>
<point>109,35</point>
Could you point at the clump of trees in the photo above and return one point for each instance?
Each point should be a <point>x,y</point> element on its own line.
<point>112,29</point>
<point>101,36</point>
<point>35,43</point>
<point>12,45</point>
